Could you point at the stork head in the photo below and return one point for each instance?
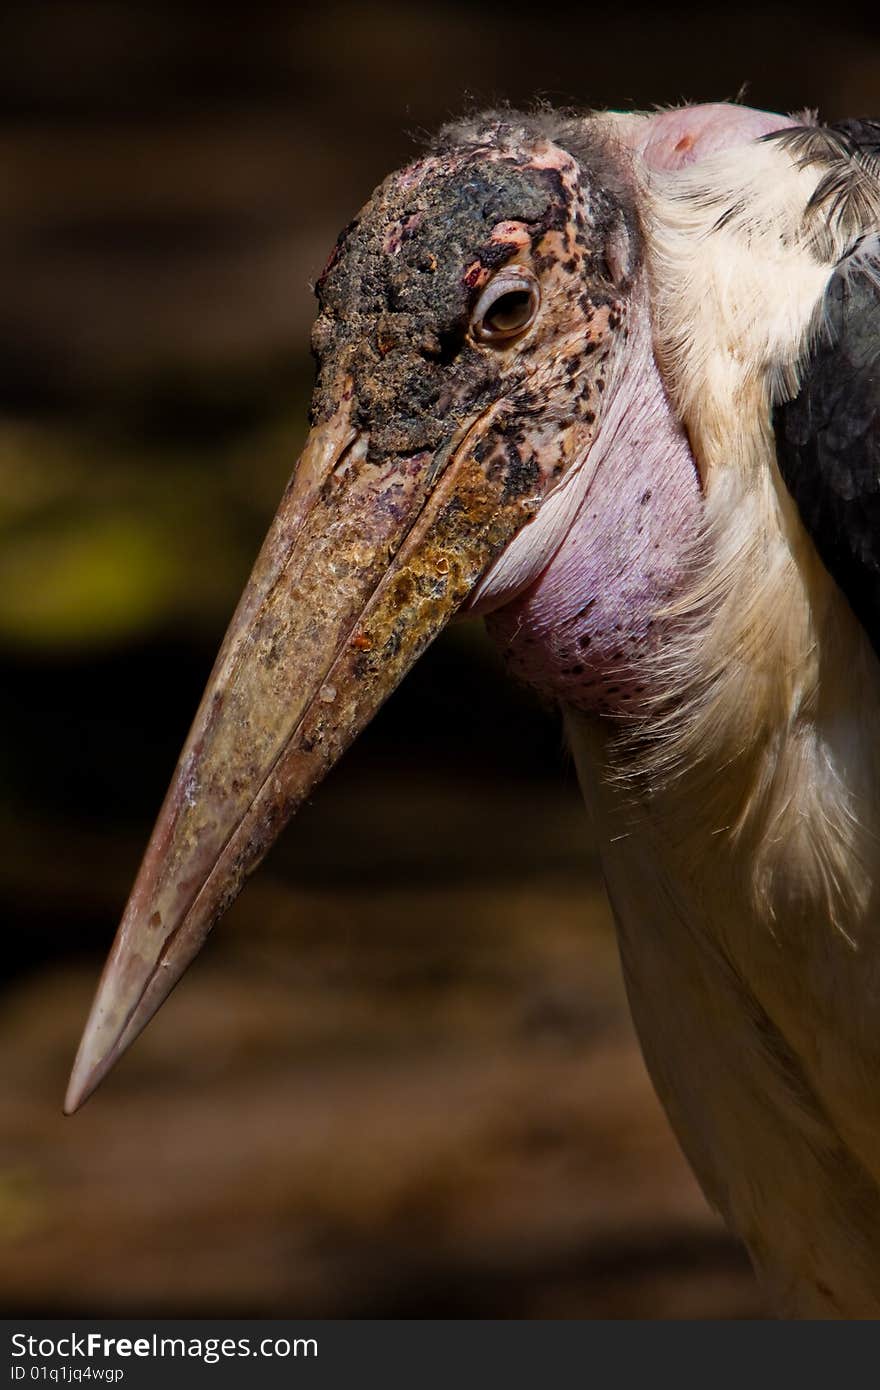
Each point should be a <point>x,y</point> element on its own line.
<point>463,312</point>
<point>470,319</point>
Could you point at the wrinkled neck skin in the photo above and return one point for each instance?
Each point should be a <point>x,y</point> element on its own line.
<point>576,602</point>
<point>579,633</point>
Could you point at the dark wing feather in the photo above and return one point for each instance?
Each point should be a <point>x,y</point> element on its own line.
<point>828,436</point>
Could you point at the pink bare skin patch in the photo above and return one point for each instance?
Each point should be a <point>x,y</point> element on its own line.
<point>676,139</point>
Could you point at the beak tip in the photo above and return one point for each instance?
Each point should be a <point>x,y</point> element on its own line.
<point>76,1095</point>
<point>93,1061</point>
<point>84,1078</point>
<point>119,1014</point>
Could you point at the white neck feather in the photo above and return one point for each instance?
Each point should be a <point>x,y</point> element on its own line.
<point>740,821</point>
<point>769,698</point>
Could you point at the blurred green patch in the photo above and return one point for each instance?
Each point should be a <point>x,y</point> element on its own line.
<point>98,579</point>
<point>107,535</point>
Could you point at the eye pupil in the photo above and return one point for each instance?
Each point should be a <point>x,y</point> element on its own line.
<point>507,307</point>
<point>509,313</point>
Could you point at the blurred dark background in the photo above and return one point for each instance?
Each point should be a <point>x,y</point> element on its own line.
<point>402,1080</point>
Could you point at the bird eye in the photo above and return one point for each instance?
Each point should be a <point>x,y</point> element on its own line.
<point>507,306</point>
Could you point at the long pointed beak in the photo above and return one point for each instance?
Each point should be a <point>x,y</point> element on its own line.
<point>365,562</point>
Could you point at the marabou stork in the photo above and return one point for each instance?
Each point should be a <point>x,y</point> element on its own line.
<point>613,381</point>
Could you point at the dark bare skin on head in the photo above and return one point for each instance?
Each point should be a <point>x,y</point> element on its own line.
<point>398,295</point>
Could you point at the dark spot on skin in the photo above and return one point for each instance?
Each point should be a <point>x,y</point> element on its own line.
<point>523,474</point>
<point>543,263</point>
<point>600,384</point>
<point>645,497</point>
<point>443,348</point>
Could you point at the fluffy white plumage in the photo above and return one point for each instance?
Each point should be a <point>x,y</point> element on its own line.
<point>741,831</point>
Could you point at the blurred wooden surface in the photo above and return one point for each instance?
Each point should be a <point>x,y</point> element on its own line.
<point>368,1100</point>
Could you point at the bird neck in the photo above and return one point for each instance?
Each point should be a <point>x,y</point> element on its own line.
<point>755,1039</point>
<point>581,632</point>
<point>763,706</point>
<point>738,812</point>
